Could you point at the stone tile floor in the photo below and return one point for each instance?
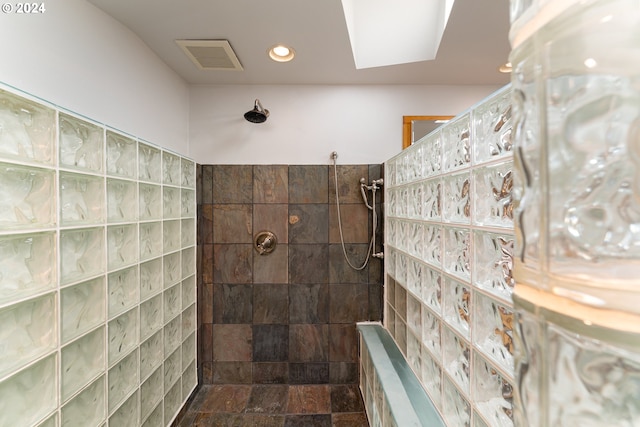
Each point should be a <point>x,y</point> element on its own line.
<point>277,405</point>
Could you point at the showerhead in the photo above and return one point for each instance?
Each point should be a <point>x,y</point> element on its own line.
<point>258,114</point>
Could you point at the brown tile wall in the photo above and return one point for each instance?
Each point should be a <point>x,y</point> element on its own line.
<point>287,317</point>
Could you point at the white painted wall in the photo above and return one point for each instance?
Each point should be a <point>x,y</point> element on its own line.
<point>79,58</point>
<point>306,123</point>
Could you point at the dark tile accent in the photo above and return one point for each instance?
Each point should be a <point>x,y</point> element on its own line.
<point>205,303</point>
<point>309,223</point>
<point>376,271</point>
<point>348,183</point>
<point>268,399</point>
<point>274,218</point>
<point>271,184</point>
<point>232,303</point>
<point>308,263</point>
<point>270,304</point>
<point>348,303</point>
<point>205,226</point>
<point>225,398</point>
<point>308,184</point>
<point>343,373</point>
<point>355,223</point>
<point>375,302</point>
<point>206,342</point>
<point>350,420</point>
<point>308,373</point>
<point>339,269</point>
<point>207,372</point>
<point>198,184</point>
<point>232,263</point>
<point>309,399</point>
<point>272,267</point>
<point>346,398</point>
<point>207,184</point>
<point>309,303</point>
<point>318,420</point>
<point>206,268</point>
<point>343,342</point>
<point>232,184</point>
<point>231,373</point>
<point>233,223</point>
<point>232,343</point>
<point>270,343</point>
<point>309,343</point>
<point>239,420</point>
<point>271,373</point>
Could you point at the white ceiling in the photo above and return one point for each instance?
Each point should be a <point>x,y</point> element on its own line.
<point>473,46</point>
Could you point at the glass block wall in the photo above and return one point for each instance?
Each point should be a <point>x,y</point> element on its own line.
<point>97,272</point>
<point>448,261</point>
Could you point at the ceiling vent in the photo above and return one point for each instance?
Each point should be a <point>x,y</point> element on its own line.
<point>211,54</point>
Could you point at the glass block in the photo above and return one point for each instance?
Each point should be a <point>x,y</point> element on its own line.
<point>123,335</point>
<point>150,278</point>
<point>493,394</point>
<point>432,149</point>
<point>122,200</point>
<point>151,354</point>
<point>27,331</point>
<point>189,320</point>
<point>414,208</point>
<point>493,330</point>
<point>415,277</point>
<point>52,421</point>
<point>391,197</point>
<point>188,291</point>
<point>170,169</point>
<point>432,379</point>
<point>173,401</point>
<point>27,129</point>
<point>492,201</point>
<point>433,245</point>
<point>414,315</point>
<point>188,262</point>
<point>188,203</point>
<point>171,269</point>
<point>414,352</point>
<point>172,304</point>
<point>81,199</point>
<point>82,361</point>
<point>149,163</point>
<point>432,289</point>
<point>456,409</point>
<point>188,173</point>
<point>27,197</point>
<point>123,290</point>
<point>81,254</point>
<point>127,414</point>
<point>151,316</point>
<point>478,421</point>
<point>456,195</point>
<point>402,261</point>
<point>431,333</point>
<point>149,202</point>
<point>189,380</point>
<point>171,236</point>
<point>171,201</point>
<point>402,206</point>
<point>30,395</point>
<point>188,233</point>
<point>121,155</point>
<point>493,263</point>
<point>123,379</point>
<point>82,307</point>
<point>432,199</point>
<point>151,392</point>
<point>415,240</point>
<point>172,369</point>
<point>31,259</point>
<point>188,350</point>
<point>172,335</point>
<point>493,127</point>
<point>156,417</point>
<point>150,240</point>
<point>528,364</point>
<point>81,144</point>
<point>457,306</point>
<point>88,406</point>
<point>456,358</point>
<point>456,137</point>
<point>457,252</point>
<point>122,245</point>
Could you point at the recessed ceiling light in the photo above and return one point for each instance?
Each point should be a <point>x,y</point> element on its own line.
<point>281,53</point>
<point>505,68</point>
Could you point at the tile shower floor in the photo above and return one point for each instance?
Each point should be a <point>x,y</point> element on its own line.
<point>277,405</point>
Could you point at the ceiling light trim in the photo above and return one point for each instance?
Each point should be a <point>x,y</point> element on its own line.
<point>211,55</point>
